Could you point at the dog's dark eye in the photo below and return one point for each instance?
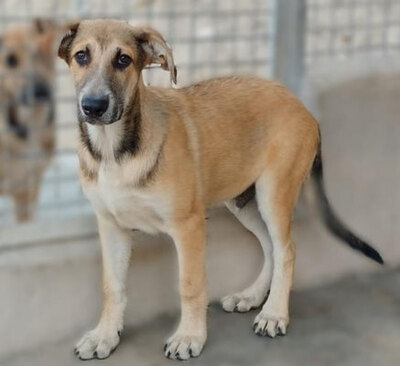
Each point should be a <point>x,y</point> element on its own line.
<point>82,57</point>
<point>12,60</point>
<point>122,61</point>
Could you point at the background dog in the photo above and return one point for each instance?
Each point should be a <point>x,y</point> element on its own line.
<point>27,133</point>
<point>154,159</point>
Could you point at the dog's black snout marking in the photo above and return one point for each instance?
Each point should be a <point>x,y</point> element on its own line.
<point>94,106</point>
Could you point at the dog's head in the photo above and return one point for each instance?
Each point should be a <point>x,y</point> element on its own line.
<point>27,72</point>
<point>106,58</point>
<point>27,63</point>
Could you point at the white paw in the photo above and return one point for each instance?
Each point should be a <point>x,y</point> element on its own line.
<point>241,302</point>
<point>269,325</point>
<point>182,346</point>
<point>98,343</point>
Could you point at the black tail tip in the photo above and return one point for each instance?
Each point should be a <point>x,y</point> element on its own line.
<point>380,260</point>
<point>374,255</point>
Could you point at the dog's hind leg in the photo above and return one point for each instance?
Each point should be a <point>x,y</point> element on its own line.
<point>254,295</point>
<point>277,191</point>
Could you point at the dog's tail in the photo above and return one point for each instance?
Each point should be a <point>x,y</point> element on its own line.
<point>334,224</point>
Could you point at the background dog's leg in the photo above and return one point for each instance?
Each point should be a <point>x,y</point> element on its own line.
<point>116,251</point>
<point>189,338</point>
<point>254,295</point>
<point>276,193</point>
<point>25,199</point>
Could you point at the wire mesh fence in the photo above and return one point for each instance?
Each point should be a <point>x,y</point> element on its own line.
<point>209,38</point>
<point>342,29</point>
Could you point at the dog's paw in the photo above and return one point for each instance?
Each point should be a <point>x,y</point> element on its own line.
<point>182,347</point>
<point>269,325</point>
<point>98,343</point>
<point>241,302</point>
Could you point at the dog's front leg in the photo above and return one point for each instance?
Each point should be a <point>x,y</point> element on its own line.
<point>116,251</point>
<point>189,338</point>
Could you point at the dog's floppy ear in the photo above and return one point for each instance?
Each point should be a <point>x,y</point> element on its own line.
<point>66,42</point>
<point>156,50</point>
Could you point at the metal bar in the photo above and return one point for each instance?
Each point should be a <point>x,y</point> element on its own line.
<point>51,230</point>
<point>289,42</point>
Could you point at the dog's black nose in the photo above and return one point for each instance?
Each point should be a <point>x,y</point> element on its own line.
<point>94,106</point>
<point>41,91</point>
<point>38,91</point>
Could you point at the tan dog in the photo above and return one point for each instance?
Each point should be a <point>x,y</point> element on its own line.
<point>154,159</point>
<point>27,132</point>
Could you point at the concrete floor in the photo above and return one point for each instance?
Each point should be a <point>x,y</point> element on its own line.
<point>352,322</point>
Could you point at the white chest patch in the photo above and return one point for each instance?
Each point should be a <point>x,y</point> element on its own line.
<point>132,208</point>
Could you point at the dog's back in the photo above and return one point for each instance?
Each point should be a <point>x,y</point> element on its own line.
<point>243,117</point>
